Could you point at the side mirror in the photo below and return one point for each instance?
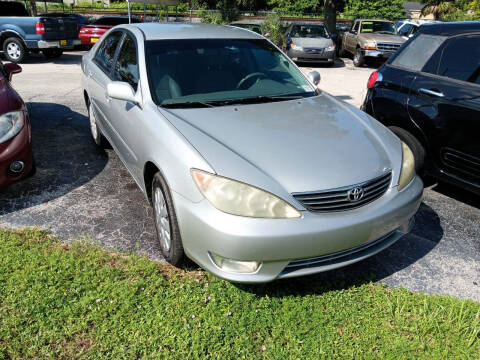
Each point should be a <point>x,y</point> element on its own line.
<point>12,68</point>
<point>122,91</point>
<point>314,77</point>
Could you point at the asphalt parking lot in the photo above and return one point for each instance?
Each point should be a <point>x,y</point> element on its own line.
<point>80,191</point>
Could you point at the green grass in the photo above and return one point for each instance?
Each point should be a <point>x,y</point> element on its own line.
<point>78,301</point>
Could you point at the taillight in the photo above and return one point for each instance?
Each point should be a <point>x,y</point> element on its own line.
<point>39,28</point>
<point>373,79</point>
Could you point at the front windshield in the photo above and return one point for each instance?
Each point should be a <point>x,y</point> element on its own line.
<point>309,31</point>
<point>384,27</point>
<point>216,70</point>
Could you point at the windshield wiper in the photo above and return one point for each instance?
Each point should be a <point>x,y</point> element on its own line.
<point>261,99</point>
<point>189,104</point>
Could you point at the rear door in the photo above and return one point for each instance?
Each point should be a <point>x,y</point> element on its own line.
<point>390,98</point>
<point>445,101</point>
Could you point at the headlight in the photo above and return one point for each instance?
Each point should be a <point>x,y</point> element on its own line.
<point>296,47</point>
<point>237,198</point>
<point>408,167</point>
<point>10,125</point>
<point>330,48</point>
<point>370,46</point>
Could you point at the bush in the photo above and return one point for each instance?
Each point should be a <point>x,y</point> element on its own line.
<point>272,27</point>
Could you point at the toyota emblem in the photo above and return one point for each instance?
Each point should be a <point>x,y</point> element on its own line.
<point>355,194</point>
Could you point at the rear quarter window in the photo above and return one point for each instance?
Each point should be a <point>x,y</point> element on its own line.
<point>417,52</point>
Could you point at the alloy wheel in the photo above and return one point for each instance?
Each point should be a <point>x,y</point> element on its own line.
<point>162,219</point>
<point>13,51</point>
<point>93,122</point>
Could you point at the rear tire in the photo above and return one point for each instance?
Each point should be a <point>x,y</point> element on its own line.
<point>95,131</point>
<point>358,58</point>
<point>166,223</point>
<point>52,53</point>
<point>14,50</point>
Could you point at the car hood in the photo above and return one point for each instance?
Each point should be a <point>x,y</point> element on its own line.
<point>383,38</point>
<point>315,42</point>
<point>303,145</point>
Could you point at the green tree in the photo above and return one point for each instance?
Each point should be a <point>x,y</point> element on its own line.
<point>385,9</point>
<point>439,8</point>
<point>295,6</point>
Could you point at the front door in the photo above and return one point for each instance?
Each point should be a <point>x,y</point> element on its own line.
<point>99,76</point>
<point>127,116</point>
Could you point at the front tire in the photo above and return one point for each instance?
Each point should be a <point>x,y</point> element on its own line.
<point>14,50</point>
<point>358,58</point>
<point>417,148</point>
<point>166,223</point>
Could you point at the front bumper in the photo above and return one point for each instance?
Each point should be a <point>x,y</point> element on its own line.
<point>280,243</point>
<point>302,56</point>
<point>378,54</point>
<point>19,148</point>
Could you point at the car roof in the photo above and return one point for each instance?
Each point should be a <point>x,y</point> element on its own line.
<point>247,22</point>
<point>450,28</point>
<point>307,23</point>
<point>383,20</point>
<point>156,31</point>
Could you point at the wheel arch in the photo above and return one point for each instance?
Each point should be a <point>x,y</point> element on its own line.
<point>5,34</point>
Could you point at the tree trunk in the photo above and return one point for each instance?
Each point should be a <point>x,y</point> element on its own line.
<point>330,13</point>
<point>33,6</point>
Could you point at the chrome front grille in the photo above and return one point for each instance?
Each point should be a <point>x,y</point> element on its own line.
<point>345,198</point>
<point>388,46</point>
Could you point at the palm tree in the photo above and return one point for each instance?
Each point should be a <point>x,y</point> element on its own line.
<point>438,8</point>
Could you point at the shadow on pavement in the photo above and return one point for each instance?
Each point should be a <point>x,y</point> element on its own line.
<point>65,156</point>
<point>459,194</point>
<point>426,234</point>
<point>65,59</point>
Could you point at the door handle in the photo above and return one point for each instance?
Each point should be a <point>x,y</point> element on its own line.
<point>434,92</point>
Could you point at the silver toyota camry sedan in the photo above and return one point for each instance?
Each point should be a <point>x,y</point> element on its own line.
<point>252,172</point>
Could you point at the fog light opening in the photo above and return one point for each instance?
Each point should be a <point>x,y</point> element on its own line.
<point>234,266</point>
<point>17,167</point>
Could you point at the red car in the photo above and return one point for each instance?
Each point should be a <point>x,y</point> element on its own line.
<point>89,34</point>
<point>16,160</point>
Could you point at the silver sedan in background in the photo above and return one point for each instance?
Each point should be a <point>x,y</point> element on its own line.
<point>307,42</point>
<point>252,172</point>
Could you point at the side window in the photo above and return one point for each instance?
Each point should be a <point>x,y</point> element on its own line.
<point>126,68</point>
<point>415,54</point>
<point>356,25</point>
<point>403,31</point>
<point>106,53</point>
<point>461,59</point>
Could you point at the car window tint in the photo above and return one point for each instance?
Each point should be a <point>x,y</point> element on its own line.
<point>126,68</point>
<point>106,53</point>
<point>461,59</point>
<point>404,29</point>
<point>415,55</point>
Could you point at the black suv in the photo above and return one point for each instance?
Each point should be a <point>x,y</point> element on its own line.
<point>428,94</point>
